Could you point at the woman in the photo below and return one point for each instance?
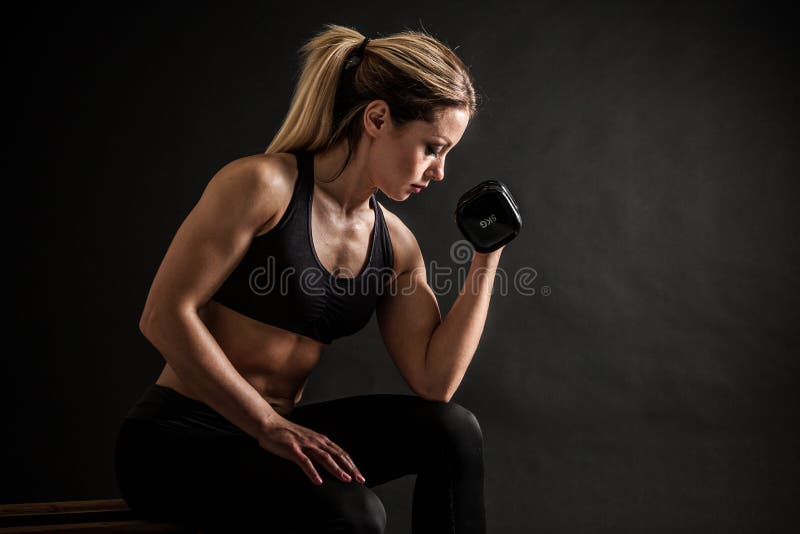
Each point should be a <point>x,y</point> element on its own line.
<point>251,291</point>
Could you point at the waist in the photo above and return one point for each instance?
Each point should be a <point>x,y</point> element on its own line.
<point>166,407</point>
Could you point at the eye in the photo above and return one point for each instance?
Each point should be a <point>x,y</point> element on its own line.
<point>430,150</point>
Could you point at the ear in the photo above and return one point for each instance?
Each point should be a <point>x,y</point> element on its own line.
<point>377,118</point>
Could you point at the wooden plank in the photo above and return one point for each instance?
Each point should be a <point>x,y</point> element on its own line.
<point>62,507</point>
<point>99,515</point>
<point>122,527</point>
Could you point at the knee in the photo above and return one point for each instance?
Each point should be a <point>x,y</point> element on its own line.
<point>364,513</point>
<point>458,426</point>
<point>373,519</point>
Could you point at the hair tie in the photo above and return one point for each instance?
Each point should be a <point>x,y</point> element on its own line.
<point>362,47</point>
<point>355,59</point>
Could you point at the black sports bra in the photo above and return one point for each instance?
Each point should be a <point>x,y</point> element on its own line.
<point>281,281</point>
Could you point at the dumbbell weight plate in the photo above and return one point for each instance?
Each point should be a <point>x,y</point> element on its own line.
<point>488,216</point>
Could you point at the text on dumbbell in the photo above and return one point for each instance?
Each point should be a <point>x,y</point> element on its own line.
<point>488,220</point>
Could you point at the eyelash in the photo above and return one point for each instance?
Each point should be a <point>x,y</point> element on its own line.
<point>429,151</point>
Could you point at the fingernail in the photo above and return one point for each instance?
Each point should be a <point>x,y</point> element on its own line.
<point>360,479</point>
<point>319,481</point>
<point>346,477</point>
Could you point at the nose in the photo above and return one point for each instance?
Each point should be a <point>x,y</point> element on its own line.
<point>436,170</point>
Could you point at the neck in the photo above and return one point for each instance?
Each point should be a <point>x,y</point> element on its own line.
<point>351,190</point>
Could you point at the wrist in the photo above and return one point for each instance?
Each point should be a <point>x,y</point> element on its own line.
<point>492,257</point>
<point>270,421</point>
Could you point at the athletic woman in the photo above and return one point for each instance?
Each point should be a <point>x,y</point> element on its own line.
<point>283,253</point>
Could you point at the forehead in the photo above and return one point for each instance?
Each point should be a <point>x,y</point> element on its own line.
<point>448,125</point>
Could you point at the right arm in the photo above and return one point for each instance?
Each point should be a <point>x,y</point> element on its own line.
<point>206,248</point>
<point>208,245</point>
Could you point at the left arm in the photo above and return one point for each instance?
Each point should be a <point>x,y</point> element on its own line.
<point>455,340</point>
<point>433,355</point>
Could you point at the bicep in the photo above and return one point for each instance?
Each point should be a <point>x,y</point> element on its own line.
<point>213,238</point>
<point>407,316</point>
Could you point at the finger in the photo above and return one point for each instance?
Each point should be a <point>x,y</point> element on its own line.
<point>341,455</point>
<point>347,460</point>
<point>307,465</point>
<point>329,462</point>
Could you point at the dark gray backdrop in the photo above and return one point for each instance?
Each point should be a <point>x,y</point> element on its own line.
<point>652,147</point>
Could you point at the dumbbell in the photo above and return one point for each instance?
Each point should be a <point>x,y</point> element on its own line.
<point>488,216</point>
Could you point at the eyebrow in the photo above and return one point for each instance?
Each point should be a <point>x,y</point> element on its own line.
<point>449,143</point>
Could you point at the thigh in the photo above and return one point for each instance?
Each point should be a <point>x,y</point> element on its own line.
<point>387,435</point>
<point>221,481</point>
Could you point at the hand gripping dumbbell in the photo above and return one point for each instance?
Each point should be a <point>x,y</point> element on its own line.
<point>488,216</point>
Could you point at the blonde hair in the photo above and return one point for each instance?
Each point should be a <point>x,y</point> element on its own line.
<point>414,73</point>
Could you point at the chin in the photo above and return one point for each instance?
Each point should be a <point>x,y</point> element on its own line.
<point>397,197</point>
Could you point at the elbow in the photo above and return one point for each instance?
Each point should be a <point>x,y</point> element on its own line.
<point>154,323</point>
<point>434,394</point>
<point>430,391</point>
<point>436,398</point>
<point>145,324</point>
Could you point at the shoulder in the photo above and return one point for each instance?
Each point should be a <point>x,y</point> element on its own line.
<point>407,254</point>
<point>257,186</point>
<point>259,172</point>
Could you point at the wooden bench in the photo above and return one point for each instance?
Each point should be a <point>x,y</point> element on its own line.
<point>107,515</point>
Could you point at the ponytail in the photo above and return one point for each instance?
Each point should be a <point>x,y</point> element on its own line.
<point>415,74</point>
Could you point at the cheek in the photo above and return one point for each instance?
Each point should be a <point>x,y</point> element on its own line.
<point>409,167</point>
<point>397,165</point>
<point>400,169</point>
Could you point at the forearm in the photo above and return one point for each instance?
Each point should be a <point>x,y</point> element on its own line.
<point>454,342</point>
<point>198,360</point>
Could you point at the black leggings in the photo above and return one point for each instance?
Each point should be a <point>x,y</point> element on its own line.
<point>179,460</point>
